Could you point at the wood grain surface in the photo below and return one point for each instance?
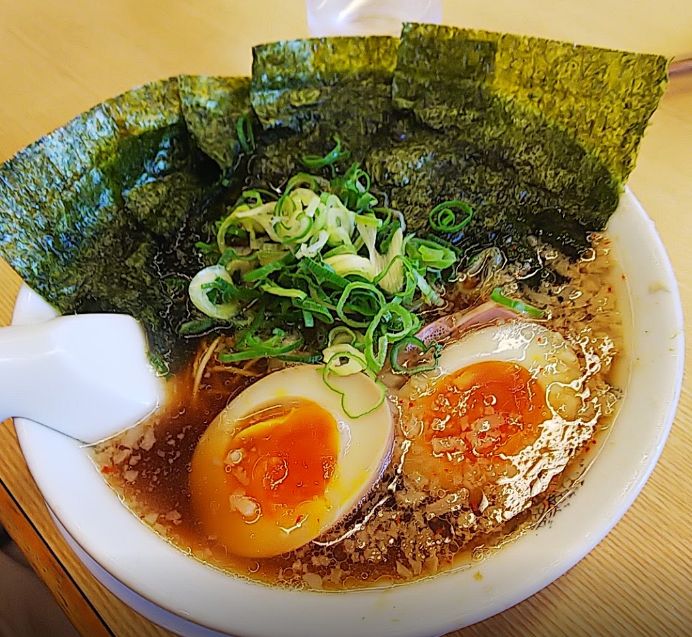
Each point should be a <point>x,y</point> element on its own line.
<point>57,59</point>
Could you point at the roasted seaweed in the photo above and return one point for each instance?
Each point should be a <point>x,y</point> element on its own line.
<point>103,214</point>
<point>92,213</point>
<point>306,92</point>
<point>534,132</point>
<point>567,118</point>
<point>469,121</point>
<point>211,109</point>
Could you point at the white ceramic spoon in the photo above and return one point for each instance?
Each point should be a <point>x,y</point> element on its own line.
<point>86,376</point>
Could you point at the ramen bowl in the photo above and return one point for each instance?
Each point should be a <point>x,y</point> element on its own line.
<point>175,590</point>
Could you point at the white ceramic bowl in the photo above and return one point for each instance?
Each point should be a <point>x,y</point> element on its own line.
<point>186,596</point>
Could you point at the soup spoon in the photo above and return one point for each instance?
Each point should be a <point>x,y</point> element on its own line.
<point>86,376</point>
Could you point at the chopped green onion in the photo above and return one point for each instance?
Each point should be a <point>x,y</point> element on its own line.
<point>277,290</point>
<point>347,359</point>
<point>200,297</point>
<point>245,336</point>
<point>262,273</point>
<point>196,327</point>
<point>354,189</point>
<point>412,342</point>
<point>337,364</point>
<point>375,350</point>
<point>206,248</point>
<point>302,180</point>
<point>257,195</point>
<point>222,290</point>
<point>342,334</point>
<point>317,254</point>
<point>429,294</point>
<point>323,273</point>
<point>349,264</point>
<point>446,244</point>
<point>342,249</point>
<point>267,254</point>
<point>314,162</point>
<point>399,321</point>
<point>310,359</point>
<point>369,220</point>
<point>226,226</point>
<point>359,298</point>
<point>516,305</point>
<point>245,134</point>
<point>261,350</point>
<point>443,217</point>
<point>315,309</point>
<point>430,254</point>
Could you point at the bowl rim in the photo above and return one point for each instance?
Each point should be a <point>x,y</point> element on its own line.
<point>98,522</point>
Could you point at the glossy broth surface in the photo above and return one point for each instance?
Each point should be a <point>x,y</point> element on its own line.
<point>415,522</point>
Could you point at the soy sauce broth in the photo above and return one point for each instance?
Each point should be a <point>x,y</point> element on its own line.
<point>387,540</point>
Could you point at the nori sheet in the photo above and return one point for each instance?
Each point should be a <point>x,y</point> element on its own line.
<point>211,107</point>
<point>567,118</point>
<point>461,126</point>
<point>603,98</point>
<point>102,214</point>
<point>306,92</point>
<point>91,214</point>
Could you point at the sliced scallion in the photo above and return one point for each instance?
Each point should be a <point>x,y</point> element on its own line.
<point>409,343</point>
<point>261,350</point>
<point>515,304</point>
<point>277,290</point>
<point>450,216</point>
<point>320,253</point>
<point>338,362</point>
<point>196,327</point>
<point>245,134</point>
<point>200,297</point>
<point>315,162</point>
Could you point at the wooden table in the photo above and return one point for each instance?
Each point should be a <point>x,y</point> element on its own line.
<point>57,59</point>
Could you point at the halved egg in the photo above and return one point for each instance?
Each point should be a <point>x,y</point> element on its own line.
<point>283,462</point>
<point>481,418</point>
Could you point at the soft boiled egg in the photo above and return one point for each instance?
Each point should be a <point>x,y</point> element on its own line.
<point>283,462</point>
<point>499,410</point>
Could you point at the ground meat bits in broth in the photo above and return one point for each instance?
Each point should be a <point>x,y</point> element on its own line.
<point>408,526</point>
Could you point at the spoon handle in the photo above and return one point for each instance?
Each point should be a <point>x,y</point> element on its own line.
<point>86,376</point>
<point>24,354</point>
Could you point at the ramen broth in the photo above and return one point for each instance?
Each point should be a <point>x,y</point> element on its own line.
<point>411,524</point>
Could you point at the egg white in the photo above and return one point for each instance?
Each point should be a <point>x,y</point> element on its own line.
<point>365,447</point>
<point>543,352</point>
<point>553,363</point>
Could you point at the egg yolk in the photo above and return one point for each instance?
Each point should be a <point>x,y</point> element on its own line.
<point>285,460</point>
<point>474,416</point>
<point>260,487</point>
<point>490,408</point>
